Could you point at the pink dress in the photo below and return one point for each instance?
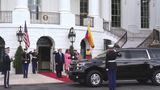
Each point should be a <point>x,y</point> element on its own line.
<point>67,58</point>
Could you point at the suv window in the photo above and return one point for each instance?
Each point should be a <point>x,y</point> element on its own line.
<point>154,53</point>
<point>101,56</point>
<point>133,54</point>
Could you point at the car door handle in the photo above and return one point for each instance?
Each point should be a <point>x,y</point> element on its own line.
<point>125,62</point>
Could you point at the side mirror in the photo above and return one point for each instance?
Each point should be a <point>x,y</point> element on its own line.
<point>119,54</point>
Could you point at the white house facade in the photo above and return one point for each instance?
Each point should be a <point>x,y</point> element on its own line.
<point>49,22</point>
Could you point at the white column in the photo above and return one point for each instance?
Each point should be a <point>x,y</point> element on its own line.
<point>94,11</point>
<point>157,21</point>
<point>94,8</point>
<point>22,4</point>
<point>67,19</point>
<point>65,6</point>
<point>106,10</point>
<point>21,10</point>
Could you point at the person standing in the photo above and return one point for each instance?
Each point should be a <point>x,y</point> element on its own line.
<point>26,61</point>
<point>76,55</point>
<point>59,61</point>
<point>88,54</point>
<point>34,61</point>
<point>111,68</point>
<point>6,67</point>
<point>67,60</point>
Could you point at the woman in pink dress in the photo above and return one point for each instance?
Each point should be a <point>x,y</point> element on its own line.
<point>67,58</point>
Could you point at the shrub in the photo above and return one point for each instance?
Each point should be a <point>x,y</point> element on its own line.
<point>17,64</point>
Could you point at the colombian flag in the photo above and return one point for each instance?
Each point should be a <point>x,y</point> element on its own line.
<point>88,37</point>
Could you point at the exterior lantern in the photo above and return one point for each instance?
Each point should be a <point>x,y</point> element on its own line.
<point>72,35</point>
<point>72,38</point>
<point>19,35</point>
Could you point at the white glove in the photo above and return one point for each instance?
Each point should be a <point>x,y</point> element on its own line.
<point>107,69</point>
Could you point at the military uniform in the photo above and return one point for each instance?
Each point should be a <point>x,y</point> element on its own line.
<point>26,61</point>
<point>111,68</point>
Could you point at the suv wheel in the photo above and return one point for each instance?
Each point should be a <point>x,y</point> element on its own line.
<point>94,78</point>
<point>156,78</point>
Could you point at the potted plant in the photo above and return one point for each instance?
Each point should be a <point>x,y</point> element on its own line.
<point>17,63</point>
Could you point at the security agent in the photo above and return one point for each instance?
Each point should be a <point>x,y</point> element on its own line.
<point>6,67</point>
<point>111,67</point>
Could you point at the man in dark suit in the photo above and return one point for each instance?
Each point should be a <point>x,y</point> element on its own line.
<point>6,67</point>
<point>59,61</point>
<point>111,67</point>
<point>25,61</point>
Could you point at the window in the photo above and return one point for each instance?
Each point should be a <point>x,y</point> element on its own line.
<point>144,13</point>
<point>84,7</point>
<point>133,54</point>
<point>34,6</point>
<point>116,13</point>
<point>138,54</point>
<point>155,53</point>
<point>83,11</point>
<point>101,56</point>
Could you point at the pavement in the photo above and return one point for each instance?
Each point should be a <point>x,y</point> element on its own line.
<point>17,79</point>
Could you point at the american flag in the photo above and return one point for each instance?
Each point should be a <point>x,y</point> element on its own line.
<point>26,36</point>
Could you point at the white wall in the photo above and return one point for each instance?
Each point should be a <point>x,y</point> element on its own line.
<point>50,5</point>
<point>75,6</point>
<point>6,5</point>
<point>153,14</point>
<point>130,15</point>
<point>157,20</point>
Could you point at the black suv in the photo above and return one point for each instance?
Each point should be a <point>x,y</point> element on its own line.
<point>135,63</point>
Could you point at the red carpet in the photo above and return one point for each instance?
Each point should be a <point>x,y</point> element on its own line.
<point>53,75</point>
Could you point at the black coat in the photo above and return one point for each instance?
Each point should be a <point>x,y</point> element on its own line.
<point>6,63</point>
<point>59,60</point>
<point>26,58</point>
<point>111,56</point>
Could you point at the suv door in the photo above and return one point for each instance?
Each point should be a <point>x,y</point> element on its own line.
<point>132,64</point>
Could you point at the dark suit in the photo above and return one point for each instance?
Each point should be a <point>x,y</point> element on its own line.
<point>26,61</point>
<point>6,69</point>
<point>59,60</point>
<point>111,67</point>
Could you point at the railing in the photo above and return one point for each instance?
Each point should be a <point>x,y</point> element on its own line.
<point>105,25</point>
<point>5,16</point>
<point>121,33</point>
<point>45,18</point>
<point>151,39</point>
<point>82,20</point>
<point>122,40</point>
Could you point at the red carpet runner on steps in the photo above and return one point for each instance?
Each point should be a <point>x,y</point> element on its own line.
<point>53,75</point>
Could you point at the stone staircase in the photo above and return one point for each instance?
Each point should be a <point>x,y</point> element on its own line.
<point>135,39</point>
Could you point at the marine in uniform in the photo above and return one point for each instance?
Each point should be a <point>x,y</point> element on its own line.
<point>111,67</point>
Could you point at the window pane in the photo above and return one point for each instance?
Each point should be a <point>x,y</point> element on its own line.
<point>144,13</point>
<point>116,13</point>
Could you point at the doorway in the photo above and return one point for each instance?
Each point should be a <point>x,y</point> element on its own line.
<point>2,46</point>
<point>45,49</point>
<point>84,47</point>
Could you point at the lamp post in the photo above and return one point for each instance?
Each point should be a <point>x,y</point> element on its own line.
<point>72,37</point>
<point>19,35</point>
